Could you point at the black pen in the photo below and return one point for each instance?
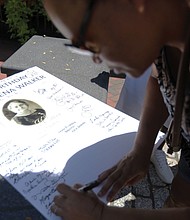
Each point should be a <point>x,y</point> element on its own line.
<point>89,186</point>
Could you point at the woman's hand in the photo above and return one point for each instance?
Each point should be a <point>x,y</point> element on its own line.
<point>72,204</point>
<point>128,171</point>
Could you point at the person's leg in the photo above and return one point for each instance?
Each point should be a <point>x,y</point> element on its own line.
<point>180,188</point>
<point>158,158</point>
<point>132,95</point>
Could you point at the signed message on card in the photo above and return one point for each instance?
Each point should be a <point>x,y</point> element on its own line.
<point>52,132</point>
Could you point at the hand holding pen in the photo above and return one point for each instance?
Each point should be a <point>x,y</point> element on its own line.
<point>89,186</point>
<point>71,201</point>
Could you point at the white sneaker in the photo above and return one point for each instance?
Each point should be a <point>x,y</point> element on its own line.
<point>158,158</point>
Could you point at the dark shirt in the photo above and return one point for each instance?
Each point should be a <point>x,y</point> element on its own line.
<point>34,118</point>
<point>168,89</point>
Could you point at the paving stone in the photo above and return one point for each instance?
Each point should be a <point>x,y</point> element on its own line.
<point>145,203</point>
<point>150,193</point>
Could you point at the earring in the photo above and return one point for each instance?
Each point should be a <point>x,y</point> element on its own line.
<point>141,9</point>
<point>92,47</point>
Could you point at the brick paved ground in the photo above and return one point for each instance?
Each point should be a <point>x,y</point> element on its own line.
<point>151,192</point>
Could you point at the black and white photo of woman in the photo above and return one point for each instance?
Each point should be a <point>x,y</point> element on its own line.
<point>24,112</point>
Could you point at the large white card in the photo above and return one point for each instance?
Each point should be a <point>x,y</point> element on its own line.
<point>52,132</point>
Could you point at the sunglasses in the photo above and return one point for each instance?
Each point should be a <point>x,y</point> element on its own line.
<point>78,46</point>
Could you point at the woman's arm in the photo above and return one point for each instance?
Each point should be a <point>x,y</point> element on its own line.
<point>115,213</point>
<point>154,114</point>
<point>71,204</point>
<point>134,166</point>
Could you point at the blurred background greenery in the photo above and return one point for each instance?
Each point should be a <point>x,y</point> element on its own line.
<point>21,19</point>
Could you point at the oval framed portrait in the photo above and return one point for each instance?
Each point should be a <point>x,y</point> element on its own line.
<point>23,112</point>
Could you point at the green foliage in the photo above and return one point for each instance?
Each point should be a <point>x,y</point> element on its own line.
<point>19,17</point>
